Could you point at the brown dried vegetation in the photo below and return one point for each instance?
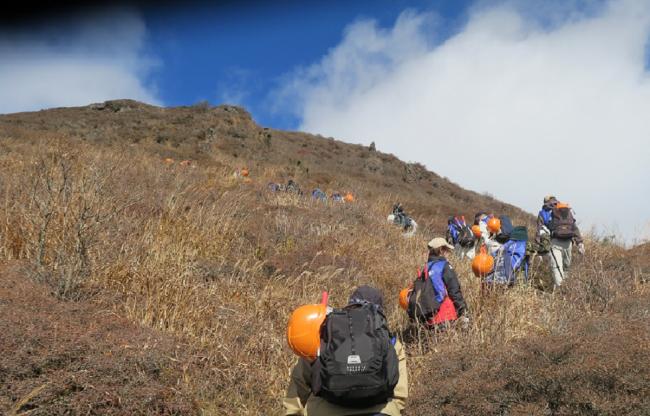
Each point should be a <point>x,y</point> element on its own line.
<point>138,251</point>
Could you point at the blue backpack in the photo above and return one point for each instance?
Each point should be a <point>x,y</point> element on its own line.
<point>511,259</point>
<point>435,274</point>
<point>459,232</point>
<point>515,259</point>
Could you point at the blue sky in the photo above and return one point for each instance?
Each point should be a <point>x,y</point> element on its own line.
<point>241,51</point>
<point>559,88</point>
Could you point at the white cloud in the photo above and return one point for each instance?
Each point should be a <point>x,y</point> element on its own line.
<point>86,58</point>
<point>237,86</point>
<point>506,105</point>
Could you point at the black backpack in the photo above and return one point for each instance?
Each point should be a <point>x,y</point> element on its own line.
<point>422,304</point>
<point>358,365</point>
<point>465,236</point>
<point>562,222</point>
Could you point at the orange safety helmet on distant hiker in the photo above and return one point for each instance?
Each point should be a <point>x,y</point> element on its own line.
<point>244,172</point>
<point>482,263</point>
<point>476,230</point>
<point>404,297</point>
<point>303,330</point>
<point>349,197</point>
<point>494,225</point>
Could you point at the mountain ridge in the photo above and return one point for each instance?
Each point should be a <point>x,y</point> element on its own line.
<point>201,132</point>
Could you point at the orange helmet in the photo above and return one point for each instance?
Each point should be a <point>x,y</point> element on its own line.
<point>349,197</point>
<point>494,225</point>
<point>303,330</point>
<point>404,297</point>
<point>476,230</point>
<point>482,263</point>
<point>562,205</point>
<point>244,172</point>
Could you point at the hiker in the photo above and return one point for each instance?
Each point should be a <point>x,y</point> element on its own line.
<point>293,187</point>
<point>481,219</point>
<point>556,220</point>
<point>460,236</point>
<point>445,303</point>
<point>317,193</point>
<point>490,227</point>
<point>399,217</point>
<point>336,196</point>
<point>397,214</point>
<point>317,389</point>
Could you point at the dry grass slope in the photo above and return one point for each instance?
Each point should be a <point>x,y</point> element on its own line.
<point>217,264</point>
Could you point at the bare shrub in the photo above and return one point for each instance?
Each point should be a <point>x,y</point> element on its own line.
<point>66,206</point>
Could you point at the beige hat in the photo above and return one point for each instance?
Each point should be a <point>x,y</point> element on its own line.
<point>438,242</point>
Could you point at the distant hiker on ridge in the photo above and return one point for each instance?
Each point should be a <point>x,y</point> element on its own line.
<point>293,187</point>
<point>318,194</point>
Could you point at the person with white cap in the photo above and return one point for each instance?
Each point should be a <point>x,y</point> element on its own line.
<point>445,281</point>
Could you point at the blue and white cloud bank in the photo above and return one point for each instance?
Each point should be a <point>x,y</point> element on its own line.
<point>506,105</point>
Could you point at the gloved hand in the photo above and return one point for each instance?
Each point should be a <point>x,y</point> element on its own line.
<point>581,248</point>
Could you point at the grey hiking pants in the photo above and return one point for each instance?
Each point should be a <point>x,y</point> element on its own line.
<point>560,259</point>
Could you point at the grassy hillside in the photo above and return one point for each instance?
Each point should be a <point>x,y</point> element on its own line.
<point>226,136</point>
<point>210,266</point>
